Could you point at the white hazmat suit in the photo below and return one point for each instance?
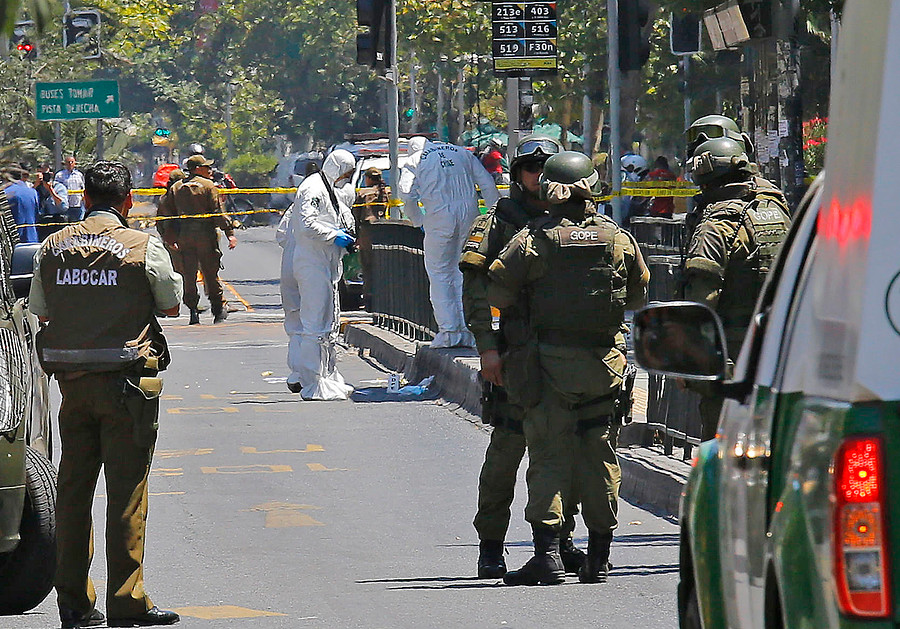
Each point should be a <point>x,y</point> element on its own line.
<point>312,310</point>
<point>443,177</point>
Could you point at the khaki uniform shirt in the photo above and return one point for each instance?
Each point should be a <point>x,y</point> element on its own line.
<point>198,195</point>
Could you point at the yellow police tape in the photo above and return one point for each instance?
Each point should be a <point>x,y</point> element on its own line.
<point>635,189</point>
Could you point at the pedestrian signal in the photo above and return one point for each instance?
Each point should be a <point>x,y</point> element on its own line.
<point>634,40</point>
<point>684,36</point>
<point>82,27</point>
<point>373,41</point>
<point>409,113</point>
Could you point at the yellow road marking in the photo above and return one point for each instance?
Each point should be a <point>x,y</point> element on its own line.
<point>171,397</point>
<point>281,515</point>
<point>238,296</point>
<point>201,410</point>
<point>167,471</point>
<point>171,454</point>
<point>318,467</point>
<point>247,469</point>
<point>207,396</point>
<point>310,447</point>
<point>289,519</point>
<point>222,612</point>
<point>155,493</point>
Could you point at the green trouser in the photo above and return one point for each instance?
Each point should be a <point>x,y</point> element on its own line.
<point>497,484</point>
<point>710,409</point>
<point>559,459</point>
<point>96,430</point>
<point>199,246</point>
<point>562,456</point>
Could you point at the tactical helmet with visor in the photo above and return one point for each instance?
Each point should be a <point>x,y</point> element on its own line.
<point>718,161</point>
<point>712,127</point>
<point>568,175</point>
<point>532,150</point>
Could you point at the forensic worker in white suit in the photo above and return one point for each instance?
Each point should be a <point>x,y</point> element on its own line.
<point>319,229</point>
<point>443,177</point>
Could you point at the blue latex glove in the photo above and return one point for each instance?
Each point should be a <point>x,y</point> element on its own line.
<point>344,240</point>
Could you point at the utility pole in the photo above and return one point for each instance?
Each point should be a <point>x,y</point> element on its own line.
<point>414,122</point>
<point>99,150</point>
<point>229,138</point>
<point>512,116</point>
<point>439,122</point>
<point>461,104</point>
<point>587,128</point>
<point>686,66</point>
<point>615,90</point>
<point>393,97</point>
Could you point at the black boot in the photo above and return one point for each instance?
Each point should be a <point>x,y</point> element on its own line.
<point>195,317</point>
<point>545,568</point>
<point>220,315</point>
<point>491,564</point>
<point>596,567</point>
<point>572,556</point>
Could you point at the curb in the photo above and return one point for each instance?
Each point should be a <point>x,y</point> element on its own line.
<point>650,479</point>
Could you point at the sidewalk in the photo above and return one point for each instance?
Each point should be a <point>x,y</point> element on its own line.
<point>649,478</point>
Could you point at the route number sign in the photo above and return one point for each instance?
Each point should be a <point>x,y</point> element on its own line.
<point>524,38</point>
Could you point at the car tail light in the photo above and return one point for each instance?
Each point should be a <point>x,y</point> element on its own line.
<point>860,537</point>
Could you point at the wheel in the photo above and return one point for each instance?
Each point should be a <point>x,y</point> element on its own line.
<point>691,617</point>
<point>26,574</point>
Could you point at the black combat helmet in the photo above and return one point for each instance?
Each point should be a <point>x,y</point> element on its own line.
<point>530,150</point>
<point>715,126</point>
<point>562,171</point>
<point>720,159</point>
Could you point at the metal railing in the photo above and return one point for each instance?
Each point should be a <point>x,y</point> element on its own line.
<point>398,282</point>
<point>673,414</point>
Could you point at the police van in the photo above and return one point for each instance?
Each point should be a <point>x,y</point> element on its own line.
<point>791,515</point>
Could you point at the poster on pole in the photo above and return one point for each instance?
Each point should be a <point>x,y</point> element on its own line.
<point>524,36</point>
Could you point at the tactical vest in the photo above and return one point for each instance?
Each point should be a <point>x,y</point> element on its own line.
<point>491,232</point>
<point>98,297</point>
<point>584,286</point>
<point>765,222</point>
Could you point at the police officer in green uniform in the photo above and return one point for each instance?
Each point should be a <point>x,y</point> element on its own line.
<point>197,239</point>
<point>743,221</point>
<point>487,237</point>
<point>96,286</point>
<point>579,273</point>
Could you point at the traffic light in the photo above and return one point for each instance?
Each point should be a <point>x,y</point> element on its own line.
<point>373,42</point>
<point>23,40</point>
<point>684,36</point>
<point>409,113</point>
<point>634,42</point>
<point>82,27</point>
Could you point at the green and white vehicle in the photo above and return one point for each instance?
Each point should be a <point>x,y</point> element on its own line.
<point>791,515</point>
<point>27,478</point>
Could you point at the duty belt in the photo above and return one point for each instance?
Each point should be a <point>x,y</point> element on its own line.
<point>580,338</point>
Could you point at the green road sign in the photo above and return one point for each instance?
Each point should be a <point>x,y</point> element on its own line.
<point>77,100</point>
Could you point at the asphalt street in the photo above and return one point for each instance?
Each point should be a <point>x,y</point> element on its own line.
<point>270,512</point>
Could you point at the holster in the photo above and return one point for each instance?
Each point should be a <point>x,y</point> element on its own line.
<point>497,410</point>
<point>141,398</point>
<point>625,401</point>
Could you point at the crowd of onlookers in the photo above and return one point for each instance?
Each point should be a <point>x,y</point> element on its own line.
<point>42,202</point>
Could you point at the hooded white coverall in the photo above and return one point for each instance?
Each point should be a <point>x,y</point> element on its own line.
<point>312,310</point>
<point>443,177</point>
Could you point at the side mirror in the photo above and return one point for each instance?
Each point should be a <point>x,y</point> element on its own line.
<point>23,267</point>
<point>682,339</point>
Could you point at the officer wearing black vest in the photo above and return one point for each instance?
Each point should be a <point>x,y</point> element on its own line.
<point>499,353</point>
<point>579,272</point>
<point>96,287</point>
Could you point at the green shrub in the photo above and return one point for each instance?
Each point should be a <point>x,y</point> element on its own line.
<point>251,170</point>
